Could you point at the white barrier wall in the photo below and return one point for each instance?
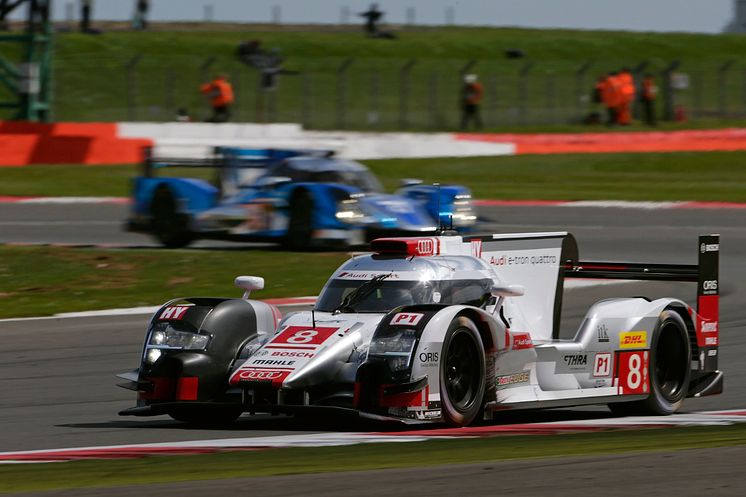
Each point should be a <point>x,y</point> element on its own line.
<point>197,140</point>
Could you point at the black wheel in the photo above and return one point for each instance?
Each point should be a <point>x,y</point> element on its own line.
<point>462,372</point>
<point>668,370</point>
<point>215,417</point>
<point>169,225</point>
<point>299,225</point>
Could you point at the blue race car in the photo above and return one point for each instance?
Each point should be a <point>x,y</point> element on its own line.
<point>299,198</point>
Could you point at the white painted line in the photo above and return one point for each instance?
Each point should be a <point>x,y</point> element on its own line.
<point>73,200</point>
<point>707,418</point>
<point>622,204</point>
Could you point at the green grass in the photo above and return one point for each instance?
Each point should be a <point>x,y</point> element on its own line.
<point>713,176</point>
<point>66,280</point>
<point>40,477</point>
<point>92,84</point>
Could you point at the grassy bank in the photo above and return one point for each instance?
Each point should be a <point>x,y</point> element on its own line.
<point>39,477</point>
<point>713,176</point>
<point>67,280</point>
<point>92,81</point>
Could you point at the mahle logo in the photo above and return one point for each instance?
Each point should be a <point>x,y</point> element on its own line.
<point>633,340</point>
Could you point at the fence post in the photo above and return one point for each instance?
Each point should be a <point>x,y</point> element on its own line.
<point>404,91</point>
<point>238,99</point>
<point>523,92</point>
<point>697,107</point>
<point>306,100</point>
<point>132,87</point>
<point>550,94</point>
<point>723,86</point>
<point>432,99</point>
<point>637,74</point>
<point>743,96</point>
<point>342,92</point>
<point>169,81</point>
<point>668,90</point>
<point>462,72</point>
<point>374,116</point>
<point>581,86</point>
<point>492,100</point>
<point>204,77</point>
<point>205,69</point>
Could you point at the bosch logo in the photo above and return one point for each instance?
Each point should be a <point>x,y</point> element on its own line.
<point>259,375</point>
<point>710,285</point>
<point>426,246</point>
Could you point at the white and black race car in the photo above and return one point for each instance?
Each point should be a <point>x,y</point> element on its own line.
<point>438,329</point>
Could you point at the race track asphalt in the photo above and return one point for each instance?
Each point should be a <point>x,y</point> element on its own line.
<point>57,375</point>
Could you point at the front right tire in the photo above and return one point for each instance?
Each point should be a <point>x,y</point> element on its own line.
<point>462,373</point>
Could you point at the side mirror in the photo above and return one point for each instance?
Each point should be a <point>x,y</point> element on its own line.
<point>269,182</point>
<point>249,283</point>
<point>508,291</point>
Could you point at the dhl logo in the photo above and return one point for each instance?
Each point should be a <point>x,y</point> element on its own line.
<point>633,340</point>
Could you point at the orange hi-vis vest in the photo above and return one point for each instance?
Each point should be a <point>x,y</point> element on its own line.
<point>220,91</point>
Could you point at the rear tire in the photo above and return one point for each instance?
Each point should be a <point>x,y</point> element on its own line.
<point>299,225</point>
<point>170,227</point>
<point>462,373</point>
<point>669,369</point>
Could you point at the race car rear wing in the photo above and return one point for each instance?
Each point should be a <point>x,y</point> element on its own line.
<point>705,273</point>
<point>221,157</point>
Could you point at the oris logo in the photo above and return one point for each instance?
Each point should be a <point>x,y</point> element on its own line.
<point>260,375</point>
<point>428,357</point>
<point>426,246</point>
<point>710,285</point>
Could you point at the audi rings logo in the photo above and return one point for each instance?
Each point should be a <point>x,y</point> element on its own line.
<point>426,246</point>
<point>250,374</point>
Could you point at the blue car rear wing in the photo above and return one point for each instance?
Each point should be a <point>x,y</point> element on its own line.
<point>242,158</point>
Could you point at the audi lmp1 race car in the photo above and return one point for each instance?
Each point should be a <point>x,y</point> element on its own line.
<point>301,198</point>
<point>438,329</point>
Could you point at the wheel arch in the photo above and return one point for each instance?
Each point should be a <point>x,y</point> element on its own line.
<point>433,335</point>
<point>682,310</point>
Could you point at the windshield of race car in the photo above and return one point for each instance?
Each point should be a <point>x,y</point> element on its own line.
<point>384,294</point>
<point>319,170</point>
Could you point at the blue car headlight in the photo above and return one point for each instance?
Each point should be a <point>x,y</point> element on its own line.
<point>463,210</point>
<point>349,211</point>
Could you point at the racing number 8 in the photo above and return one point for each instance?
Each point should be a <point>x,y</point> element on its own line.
<point>633,372</point>
<point>303,336</point>
<point>634,377</point>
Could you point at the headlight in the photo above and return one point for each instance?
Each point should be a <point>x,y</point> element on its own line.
<point>169,338</point>
<point>348,211</point>
<point>396,349</point>
<point>463,211</point>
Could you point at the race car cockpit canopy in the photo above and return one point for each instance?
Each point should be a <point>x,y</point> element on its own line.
<point>380,283</point>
